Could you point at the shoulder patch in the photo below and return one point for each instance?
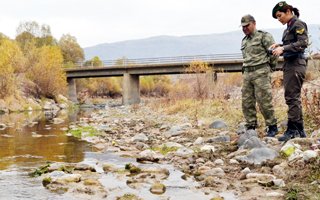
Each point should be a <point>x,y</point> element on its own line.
<point>262,31</point>
<point>300,31</point>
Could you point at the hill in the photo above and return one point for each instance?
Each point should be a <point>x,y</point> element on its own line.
<point>163,46</point>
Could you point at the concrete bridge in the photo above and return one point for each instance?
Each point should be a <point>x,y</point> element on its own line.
<point>131,69</point>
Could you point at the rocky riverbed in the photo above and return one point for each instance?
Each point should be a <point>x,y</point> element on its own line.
<point>169,157</point>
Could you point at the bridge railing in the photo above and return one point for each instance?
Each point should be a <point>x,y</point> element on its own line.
<point>169,60</point>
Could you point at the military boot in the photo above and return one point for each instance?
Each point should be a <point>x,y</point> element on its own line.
<point>290,133</point>
<point>272,130</point>
<point>300,128</point>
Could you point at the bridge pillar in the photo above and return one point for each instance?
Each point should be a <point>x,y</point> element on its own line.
<point>131,89</point>
<point>72,91</point>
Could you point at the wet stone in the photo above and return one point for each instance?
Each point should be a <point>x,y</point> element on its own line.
<point>158,188</point>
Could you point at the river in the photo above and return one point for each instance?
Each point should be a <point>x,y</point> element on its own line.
<point>31,139</point>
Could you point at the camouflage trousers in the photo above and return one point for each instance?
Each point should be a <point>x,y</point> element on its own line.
<point>256,89</point>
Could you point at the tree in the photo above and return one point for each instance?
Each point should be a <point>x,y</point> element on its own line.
<point>32,33</point>
<point>94,62</point>
<point>3,36</point>
<point>124,61</point>
<point>71,50</point>
<point>26,39</point>
<point>201,87</point>
<point>47,72</point>
<point>11,60</point>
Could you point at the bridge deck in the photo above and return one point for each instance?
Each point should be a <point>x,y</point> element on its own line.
<point>158,66</point>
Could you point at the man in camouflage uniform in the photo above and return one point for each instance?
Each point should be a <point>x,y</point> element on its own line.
<point>257,68</point>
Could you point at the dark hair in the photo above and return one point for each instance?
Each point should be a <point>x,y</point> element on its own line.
<point>292,9</point>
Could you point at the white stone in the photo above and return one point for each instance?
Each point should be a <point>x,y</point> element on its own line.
<point>309,154</point>
<point>233,162</point>
<point>214,172</point>
<point>246,171</point>
<point>261,176</point>
<point>207,148</point>
<point>219,162</point>
<point>199,140</point>
<point>279,182</point>
<point>278,171</point>
<point>274,194</point>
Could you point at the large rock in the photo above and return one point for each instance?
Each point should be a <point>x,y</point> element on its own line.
<point>184,152</point>
<point>218,124</point>
<point>140,138</point>
<point>249,140</point>
<point>258,155</point>
<point>149,155</point>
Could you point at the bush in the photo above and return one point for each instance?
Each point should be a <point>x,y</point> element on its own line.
<point>100,86</point>
<point>155,85</point>
<point>311,104</point>
<point>202,81</point>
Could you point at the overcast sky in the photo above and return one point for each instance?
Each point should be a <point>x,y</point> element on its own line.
<point>104,21</point>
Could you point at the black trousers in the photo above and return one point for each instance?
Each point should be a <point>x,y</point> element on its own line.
<point>294,72</point>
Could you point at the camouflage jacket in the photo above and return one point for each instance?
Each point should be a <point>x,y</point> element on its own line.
<point>295,38</point>
<point>255,49</point>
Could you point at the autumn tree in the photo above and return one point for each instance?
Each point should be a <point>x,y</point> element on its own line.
<point>94,62</point>
<point>203,74</point>
<point>11,60</point>
<point>71,50</point>
<point>124,61</point>
<point>3,36</point>
<point>155,85</point>
<point>31,33</point>
<point>47,72</point>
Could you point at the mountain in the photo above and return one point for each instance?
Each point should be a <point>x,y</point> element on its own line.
<point>169,46</point>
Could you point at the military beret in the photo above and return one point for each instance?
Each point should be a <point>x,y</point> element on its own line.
<point>278,7</point>
<point>245,20</point>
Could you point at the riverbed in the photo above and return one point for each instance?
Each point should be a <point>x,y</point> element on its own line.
<point>31,139</point>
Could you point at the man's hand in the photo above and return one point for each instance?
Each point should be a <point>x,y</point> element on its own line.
<point>278,51</point>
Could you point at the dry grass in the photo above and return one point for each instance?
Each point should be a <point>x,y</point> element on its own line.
<point>223,99</point>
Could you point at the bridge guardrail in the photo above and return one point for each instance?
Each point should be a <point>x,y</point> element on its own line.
<point>169,60</point>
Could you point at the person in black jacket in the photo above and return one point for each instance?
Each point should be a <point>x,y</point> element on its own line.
<point>295,41</point>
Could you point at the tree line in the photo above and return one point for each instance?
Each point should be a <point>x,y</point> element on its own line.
<point>32,65</point>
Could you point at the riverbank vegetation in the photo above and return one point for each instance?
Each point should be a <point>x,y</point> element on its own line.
<point>31,65</point>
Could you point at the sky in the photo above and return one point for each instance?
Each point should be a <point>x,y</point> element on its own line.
<point>95,22</point>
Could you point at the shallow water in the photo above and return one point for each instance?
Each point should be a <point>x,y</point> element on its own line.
<point>31,139</point>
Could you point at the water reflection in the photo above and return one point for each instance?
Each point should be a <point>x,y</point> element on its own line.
<point>31,138</point>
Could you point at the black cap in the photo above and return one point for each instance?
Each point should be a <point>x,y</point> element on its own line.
<point>278,7</point>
